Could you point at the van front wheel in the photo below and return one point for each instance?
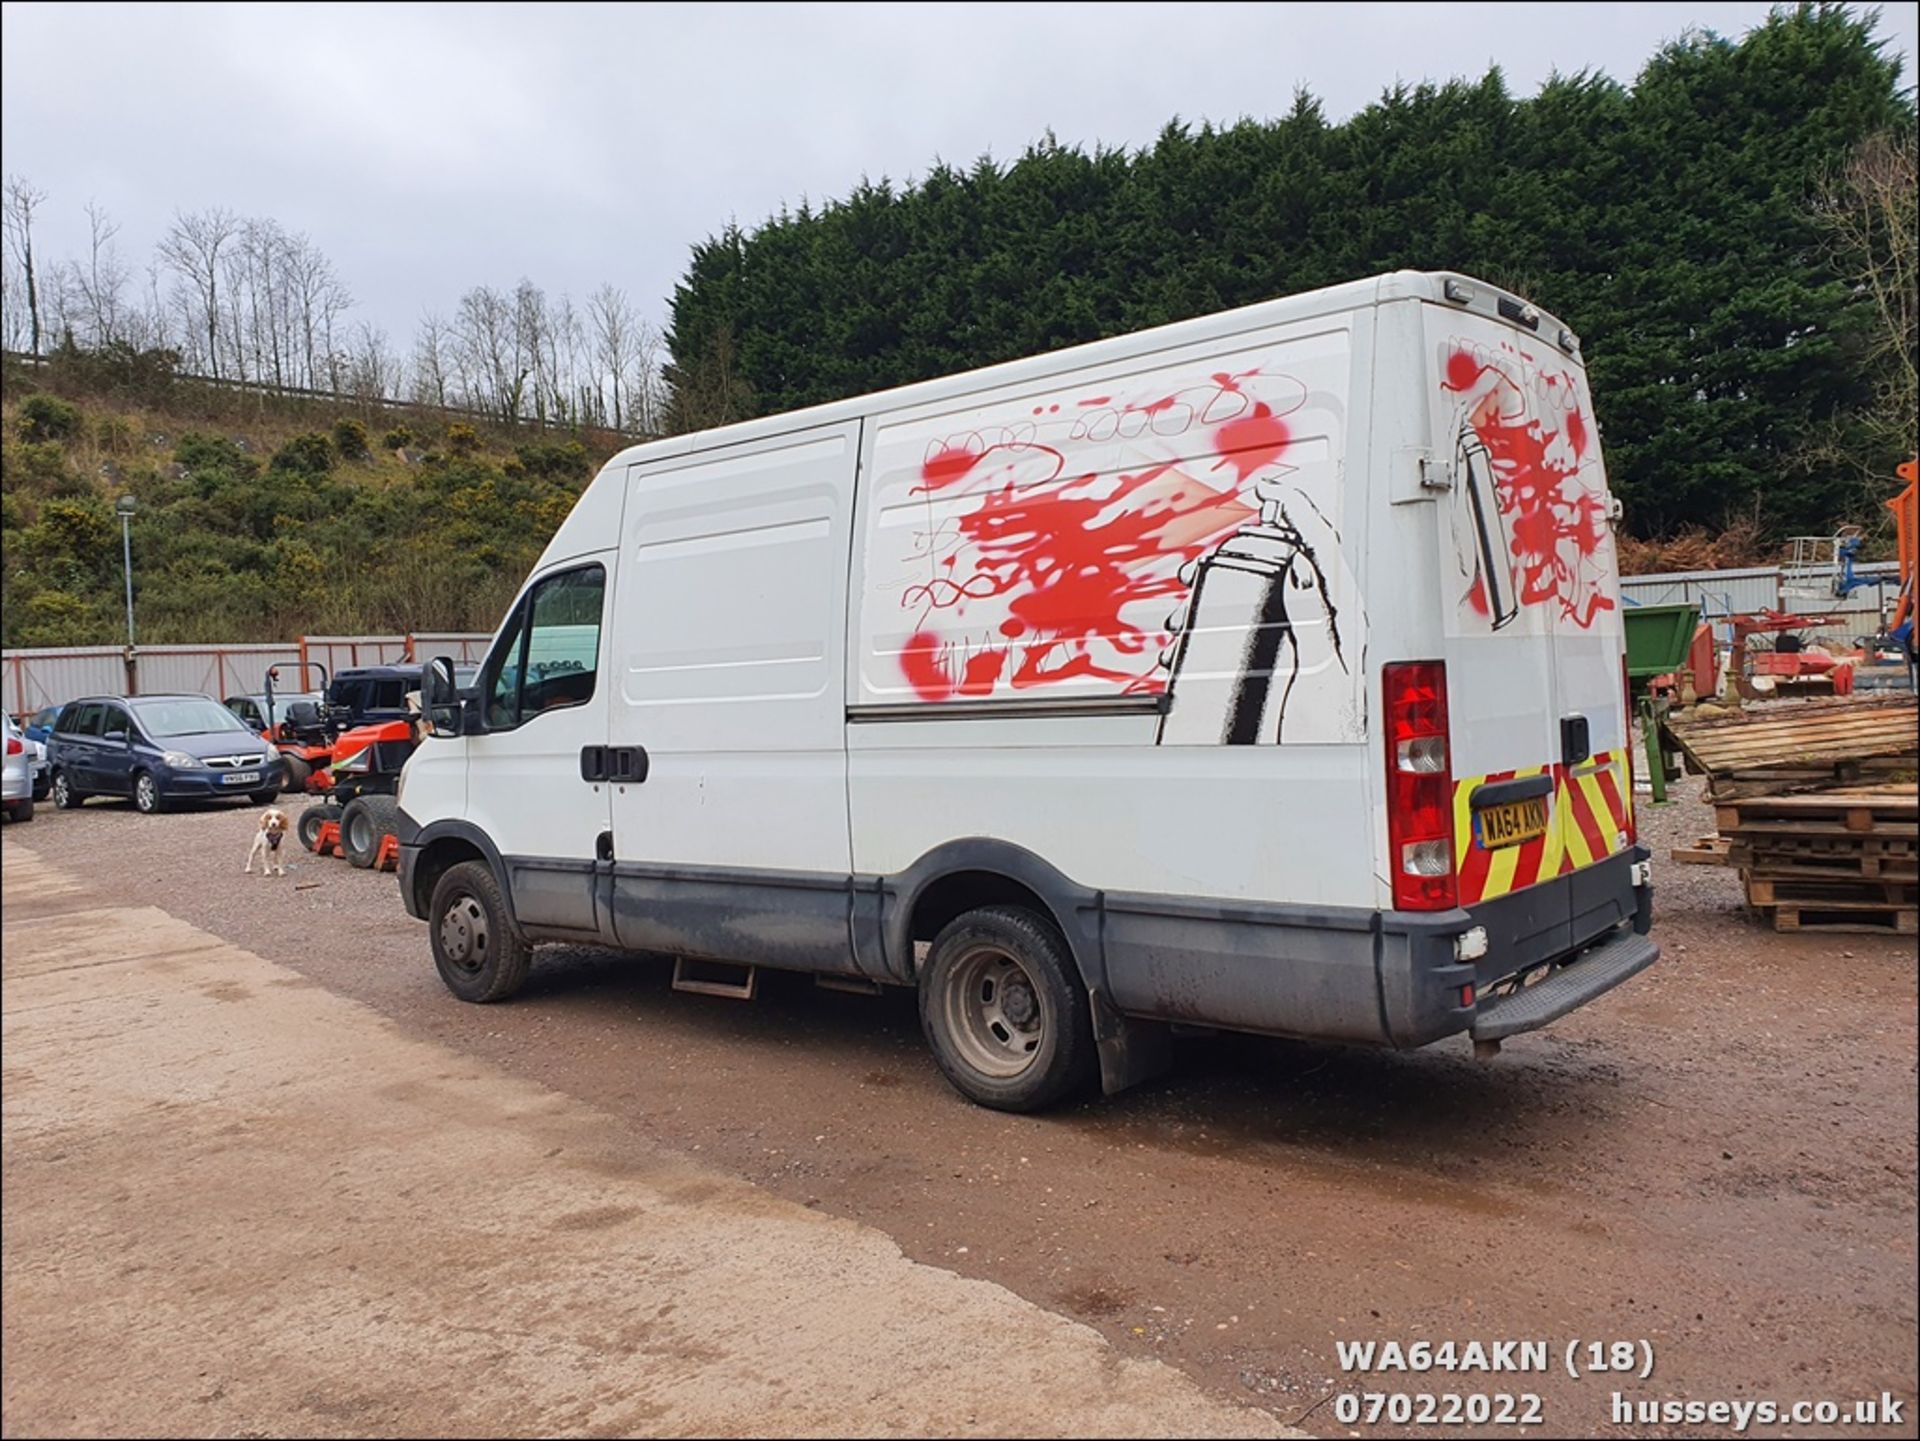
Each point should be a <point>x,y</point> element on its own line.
<point>478,953</point>
<point>1004,1010</point>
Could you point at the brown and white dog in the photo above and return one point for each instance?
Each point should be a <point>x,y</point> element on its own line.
<point>266,843</point>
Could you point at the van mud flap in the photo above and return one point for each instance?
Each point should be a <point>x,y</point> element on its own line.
<point>1593,973</point>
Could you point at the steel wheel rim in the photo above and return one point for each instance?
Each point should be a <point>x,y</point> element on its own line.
<point>463,934</point>
<point>359,832</point>
<point>144,793</point>
<point>994,1012</point>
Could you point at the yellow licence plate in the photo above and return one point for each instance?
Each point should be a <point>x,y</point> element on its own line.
<point>1510,824</point>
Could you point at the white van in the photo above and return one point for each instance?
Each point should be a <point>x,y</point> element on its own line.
<point>1260,672</point>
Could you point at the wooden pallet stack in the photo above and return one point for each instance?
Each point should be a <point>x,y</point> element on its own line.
<point>1843,859</point>
<point>1817,808</point>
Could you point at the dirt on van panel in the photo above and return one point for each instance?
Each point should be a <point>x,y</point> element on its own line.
<point>1718,1159</point>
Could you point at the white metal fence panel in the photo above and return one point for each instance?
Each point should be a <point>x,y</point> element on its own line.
<point>31,679</point>
<point>1721,593</point>
<point>343,652</point>
<point>463,649</point>
<point>1716,592</point>
<point>36,678</point>
<point>219,672</point>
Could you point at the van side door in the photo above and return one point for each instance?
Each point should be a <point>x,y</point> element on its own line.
<point>531,783</point>
<point>730,623</point>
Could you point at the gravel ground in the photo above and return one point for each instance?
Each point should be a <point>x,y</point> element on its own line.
<point>1719,1157</point>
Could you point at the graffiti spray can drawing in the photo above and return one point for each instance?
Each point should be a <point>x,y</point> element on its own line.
<point>1238,653</point>
<point>1487,541</point>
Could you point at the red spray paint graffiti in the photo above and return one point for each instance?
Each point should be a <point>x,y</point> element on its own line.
<point>1074,562</point>
<point>1537,438</point>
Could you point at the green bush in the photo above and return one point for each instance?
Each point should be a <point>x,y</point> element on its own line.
<point>307,454</point>
<point>462,440</point>
<point>202,454</point>
<point>44,418</point>
<point>114,433</point>
<point>350,439</point>
<point>399,438</point>
<point>58,617</point>
<point>563,460</point>
<point>36,468</point>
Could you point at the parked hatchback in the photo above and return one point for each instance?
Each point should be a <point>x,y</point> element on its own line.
<point>16,789</point>
<point>158,749</point>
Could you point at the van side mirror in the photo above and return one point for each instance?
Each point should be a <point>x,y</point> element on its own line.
<point>440,697</point>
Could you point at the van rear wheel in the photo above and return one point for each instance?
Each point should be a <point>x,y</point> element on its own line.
<point>1004,1010</point>
<point>478,953</point>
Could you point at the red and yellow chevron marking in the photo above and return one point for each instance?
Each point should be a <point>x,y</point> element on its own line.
<point>1590,809</point>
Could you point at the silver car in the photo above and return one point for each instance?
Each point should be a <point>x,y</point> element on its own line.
<point>17,791</point>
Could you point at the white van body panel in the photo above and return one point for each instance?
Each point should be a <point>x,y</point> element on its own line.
<point>1040,543</point>
<point>1105,629</point>
<point>728,622</point>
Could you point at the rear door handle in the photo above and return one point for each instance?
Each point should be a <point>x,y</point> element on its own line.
<point>1576,740</point>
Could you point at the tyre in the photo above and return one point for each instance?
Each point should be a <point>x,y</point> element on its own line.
<point>297,773</point>
<point>366,820</point>
<point>20,810</point>
<point>42,787</point>
<point>478,953</point>
<point>146,795</point>
<point>1005,1012</point>
<point>65,796</point>
<point>311,819</point>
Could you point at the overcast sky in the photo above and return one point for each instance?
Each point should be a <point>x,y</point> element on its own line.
<point>431,148</point>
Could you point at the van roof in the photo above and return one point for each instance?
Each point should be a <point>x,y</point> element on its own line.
<point>1484,299</point>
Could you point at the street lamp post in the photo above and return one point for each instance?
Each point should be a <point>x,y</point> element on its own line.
<point>125,507</point>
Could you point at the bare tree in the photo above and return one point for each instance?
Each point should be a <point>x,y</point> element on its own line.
<point>103,279</point>
<point>1868,208</point>
<point>615,344</point>
<point>493,355</point>
<point>193,249</point>
<point>431,360</point>
<point>13,310</point>
<point>23,198</point>
<point>373,373</point>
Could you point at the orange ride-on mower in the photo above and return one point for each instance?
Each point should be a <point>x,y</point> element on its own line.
<point>297,726</point>
<point>356,790</point>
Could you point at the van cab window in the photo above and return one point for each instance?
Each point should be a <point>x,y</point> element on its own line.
<point>549,655</point>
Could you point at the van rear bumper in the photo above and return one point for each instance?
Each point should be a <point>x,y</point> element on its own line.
<point>1391,978</point>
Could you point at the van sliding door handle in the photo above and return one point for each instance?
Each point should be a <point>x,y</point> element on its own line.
<point>627,764</point>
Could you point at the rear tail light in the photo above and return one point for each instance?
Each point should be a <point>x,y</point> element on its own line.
<point>1626,801</point>
<point>1419,786</point>
<point>13,746</point>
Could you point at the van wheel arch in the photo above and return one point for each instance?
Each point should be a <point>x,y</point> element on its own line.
<point>444,845</point>
<point>981,872</point>
<point>966,875</point>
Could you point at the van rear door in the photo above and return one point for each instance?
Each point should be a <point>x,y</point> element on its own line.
<point>1531,612</point>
